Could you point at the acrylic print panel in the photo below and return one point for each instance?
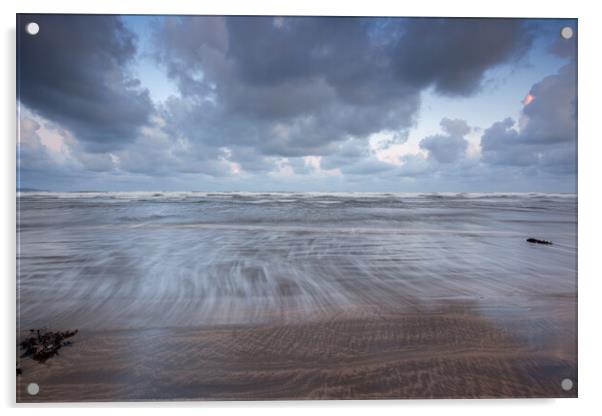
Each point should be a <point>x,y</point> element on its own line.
<point>258,208</point>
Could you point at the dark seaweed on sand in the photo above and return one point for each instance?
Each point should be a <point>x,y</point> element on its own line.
<point>42,345</point>
<point>537,241</point>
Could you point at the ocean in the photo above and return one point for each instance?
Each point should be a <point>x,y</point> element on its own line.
<point>115,261</point>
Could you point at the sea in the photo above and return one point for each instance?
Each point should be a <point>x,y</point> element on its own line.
<point>126,260</point>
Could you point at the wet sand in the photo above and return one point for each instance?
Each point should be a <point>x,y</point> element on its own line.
<point>452,352</point>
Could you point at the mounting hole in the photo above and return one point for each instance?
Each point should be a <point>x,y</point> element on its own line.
<point>33,389</point>
<point>32,28</point>
<point>566,32</point>
<point>566,384</point>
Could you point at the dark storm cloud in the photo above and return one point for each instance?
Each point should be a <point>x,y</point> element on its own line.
<point>547,137</point>
<point>289,87</point>
<point>340,51</point>
<point>448,147</point>
<point>259,94</point>
<point>293,87</point>
<point>454,54</point>
<point>74,72</point>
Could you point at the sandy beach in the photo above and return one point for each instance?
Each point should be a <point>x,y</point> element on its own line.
<point>451,353</point>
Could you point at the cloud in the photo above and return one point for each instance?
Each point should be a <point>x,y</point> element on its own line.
<point>289,89</point>
<point>547,136</point>
<point>551,115</point>
<point>47,148</point>
<point>263,98</point>
<point>449,147</point>
<point>367,167</point>
<point>74,72</point>
<point>43,157</point>
<point>295,87</point>
<point>32,155</point>
<point>453,55</point>
<point>355,157</point>
<point>414,165</point>
<point>501,144</point>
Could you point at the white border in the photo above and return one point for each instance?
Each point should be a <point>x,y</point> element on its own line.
<point>590,151</point>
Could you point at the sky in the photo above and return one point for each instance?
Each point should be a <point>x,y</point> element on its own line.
<point>271,103</point>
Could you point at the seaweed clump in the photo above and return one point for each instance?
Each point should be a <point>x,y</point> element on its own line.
<point>537,241</point>
<point>42,345</point>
